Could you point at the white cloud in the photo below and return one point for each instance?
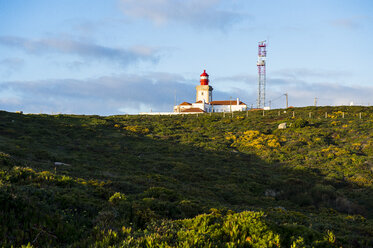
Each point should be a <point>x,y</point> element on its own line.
<point>305,73</point>
<point>301,88</point>
<point>198,13</point>
<point>82,49</point>
<point>10,65</point>
<point>303,94</point>
<point>9,97</point>
<point>346,23</point>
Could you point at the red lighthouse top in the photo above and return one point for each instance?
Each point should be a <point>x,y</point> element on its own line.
<point>204,78</point>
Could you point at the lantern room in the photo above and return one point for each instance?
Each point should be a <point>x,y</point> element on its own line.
<point>204,78</point>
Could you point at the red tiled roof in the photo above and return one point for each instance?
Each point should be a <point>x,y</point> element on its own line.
<point>233,102</point>
<point>193,110</point>
<point>185,103</point>
<point>199,101</point>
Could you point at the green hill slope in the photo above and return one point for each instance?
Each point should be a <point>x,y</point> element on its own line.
<point>188,181</point>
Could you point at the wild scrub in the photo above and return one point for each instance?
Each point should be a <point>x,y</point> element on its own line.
<point>136,129</point>
<point>158,176</point>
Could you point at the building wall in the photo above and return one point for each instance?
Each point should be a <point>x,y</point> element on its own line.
<point>228,108</point>
<point>212,108</point>
<point>199,105</point>
<point>179,108</point>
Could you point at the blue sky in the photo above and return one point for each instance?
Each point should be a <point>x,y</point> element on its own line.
<point>127,56</point>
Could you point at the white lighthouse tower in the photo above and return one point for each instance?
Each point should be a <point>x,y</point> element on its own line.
<point>204,90</point>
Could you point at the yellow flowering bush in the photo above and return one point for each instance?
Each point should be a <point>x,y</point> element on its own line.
<point>230,136</point>
<point>254,139</point>
<point>337,114</point>
<point>333,151</point>
<point>137,129</point>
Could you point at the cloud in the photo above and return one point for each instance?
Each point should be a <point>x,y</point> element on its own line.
<point>346,23</point>
<point>237,78</point>
<point>305,73</point>
<point>129,93</point>
<point>10,65</point>
<point>301,88</point>
<point>82,49</point>
<point>241,86</point>
<point>197,13</point>
<point>303,94</point>
<point>104,95</point>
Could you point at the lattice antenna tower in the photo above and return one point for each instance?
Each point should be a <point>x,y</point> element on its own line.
<point>262,57</point>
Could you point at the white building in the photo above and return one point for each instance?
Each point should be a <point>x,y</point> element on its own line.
<point>204,102</point>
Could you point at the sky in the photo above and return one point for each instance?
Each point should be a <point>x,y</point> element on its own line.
<point>129,56</point>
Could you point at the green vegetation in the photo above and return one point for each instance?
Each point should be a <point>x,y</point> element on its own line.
<point>188,181</point>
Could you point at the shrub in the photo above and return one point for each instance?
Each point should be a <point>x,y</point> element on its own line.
<point>299,123</point>
<point>137,129</point>
<point>117,198</point>
<point>254,139</point>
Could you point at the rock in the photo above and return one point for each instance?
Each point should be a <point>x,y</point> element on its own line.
<point>60,163</point>
<point>282,126</point>
<point>282,208</point>
<point>270,192</point>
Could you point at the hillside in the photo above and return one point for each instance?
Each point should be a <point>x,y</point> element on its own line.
<point>188,181</point>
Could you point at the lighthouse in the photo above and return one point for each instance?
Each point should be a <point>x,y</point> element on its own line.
<point>204,90</point>
<point>204,102</point>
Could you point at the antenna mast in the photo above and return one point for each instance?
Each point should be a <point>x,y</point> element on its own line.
<point>262,56</point>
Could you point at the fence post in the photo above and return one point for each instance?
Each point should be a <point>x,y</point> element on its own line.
<point>310,114</point>
<point>360,115</point>
<point>343,115</point>
<point>326,114</point>
<point>293,114</point>
<point>263,112</point>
